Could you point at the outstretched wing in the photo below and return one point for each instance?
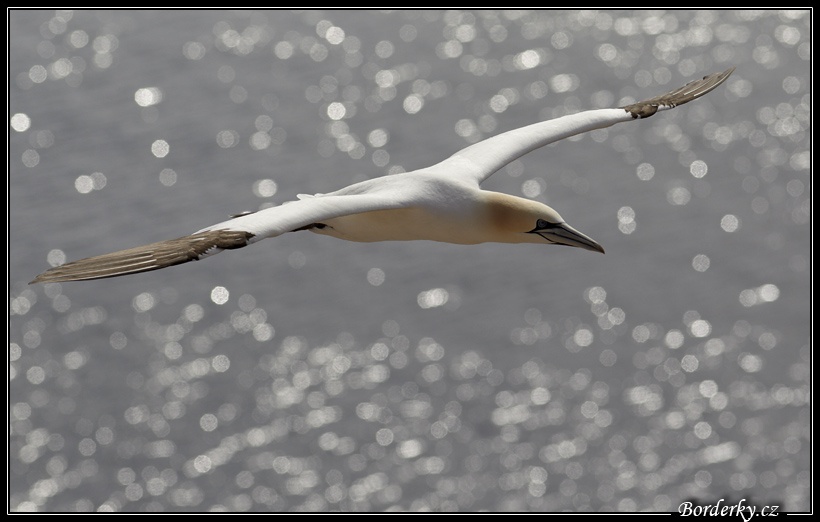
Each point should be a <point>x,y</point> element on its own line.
<point>235,233</point>
<point>479,161</point>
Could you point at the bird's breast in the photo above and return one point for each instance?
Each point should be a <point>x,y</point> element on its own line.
<point>406,224</point>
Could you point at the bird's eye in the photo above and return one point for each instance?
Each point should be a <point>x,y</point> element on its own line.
<point>542,223</point>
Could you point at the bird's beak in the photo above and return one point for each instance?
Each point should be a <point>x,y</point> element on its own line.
<point>563,234</point>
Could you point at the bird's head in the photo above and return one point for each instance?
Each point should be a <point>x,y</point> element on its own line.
<point>519,220</point>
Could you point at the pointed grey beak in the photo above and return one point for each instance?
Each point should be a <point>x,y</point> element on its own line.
<point>563,234</point>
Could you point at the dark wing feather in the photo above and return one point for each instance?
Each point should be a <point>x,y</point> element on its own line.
<point>149,257</point>
<point>690,91</point>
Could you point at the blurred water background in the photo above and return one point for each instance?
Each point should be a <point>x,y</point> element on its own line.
<point>305,373</point>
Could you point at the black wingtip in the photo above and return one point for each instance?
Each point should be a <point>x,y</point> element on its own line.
<point>146,258</point>
<point>691,91</point>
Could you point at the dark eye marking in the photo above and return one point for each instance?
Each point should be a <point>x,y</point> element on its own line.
<point>542,225</point>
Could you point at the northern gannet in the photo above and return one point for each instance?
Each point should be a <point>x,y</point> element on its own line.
<point>439,203</point>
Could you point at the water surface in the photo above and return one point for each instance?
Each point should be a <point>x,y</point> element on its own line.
<point>309,374</point>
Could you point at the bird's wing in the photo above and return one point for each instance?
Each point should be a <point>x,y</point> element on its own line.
<point>479,161</point>
<point>235,233</point>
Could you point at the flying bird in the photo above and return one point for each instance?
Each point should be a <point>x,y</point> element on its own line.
<point>439,203</point>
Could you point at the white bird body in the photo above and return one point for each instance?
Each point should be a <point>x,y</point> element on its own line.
<point>469,217</point>
<point>418,205</point>
<point>443,202</point>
